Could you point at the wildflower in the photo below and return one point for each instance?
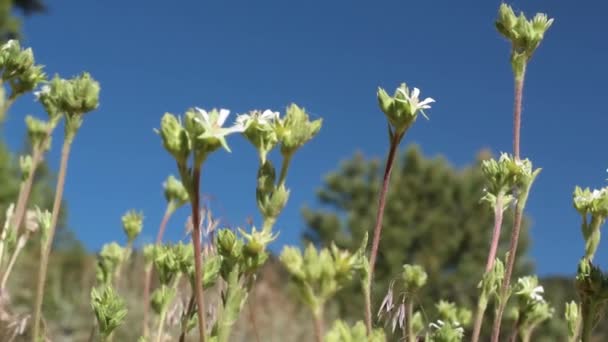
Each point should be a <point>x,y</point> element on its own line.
<point>212,123</point>
<point>403,107</point>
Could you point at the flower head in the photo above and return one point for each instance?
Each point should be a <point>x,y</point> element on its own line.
<point>211,124</point>
<point>403,107</point>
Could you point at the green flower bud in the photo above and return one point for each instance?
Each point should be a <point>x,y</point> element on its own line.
<point>446,332</point>
<point>175,192</point>
<point>161,298</point>
<point>110,257</point>
<point>110,310</point>
<point>228,244</point>
<point>211,270</point>
<point>260,130</point>
<point>257,241</point>
<point>50,96</point>
<point>344,262</point>
<point>295,129</point>
<point>132,224</point>
<point>271,199</point>
<point>506,21</point>
<point>148,252</point>
<point>44,223</point>
<point>449,312</point>
<point>166,263</point>
<point>28,80</point>
<point>491,282</point>
<point>571,315</point>
<point>37,131</point>
<point>79,95</point>
<point>414,277</point>
<point>291,258</point>
<point>402,109</point>
<point>175,139</point>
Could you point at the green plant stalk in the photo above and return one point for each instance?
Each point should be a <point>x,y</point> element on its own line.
<point>588,313</point>
<point>481,307</point>
<point>520,74</point>
<point>46,248</point>
<point>519,70</point>
<point>11,264</point>
<point>185,318</point>
<point>163,313</point>
<point>577,330</point>
<point>235,297</point>
<point>26,188</point>
<point>148,276</point>
<point>319,324</point>
<point>479,314</point>
<point>196,244</point>
<point>510,263</point>
<point>284,168</point>
<point>394,144</point>
<point>409,314</point>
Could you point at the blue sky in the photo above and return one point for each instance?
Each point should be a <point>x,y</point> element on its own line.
<point>328,56</point>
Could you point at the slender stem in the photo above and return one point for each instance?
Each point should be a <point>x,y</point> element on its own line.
<point>481,309</point>
<point>25,190</point>
<point>161,324</point>
<point>519,89</point>
<point>182,336</point>
<point>411,337</point>
<point>504,289</point>
<point>46,249</point>
<point>284,168</point>
<point>319,324</point>
<point>148,276</point>
<point>498,210</point>
<point>196,242</point>
<point>588,313</point>
<point>368,306</point>
<point>394,144</point>
<point>11,264</point>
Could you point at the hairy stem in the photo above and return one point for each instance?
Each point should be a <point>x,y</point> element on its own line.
<point>196,243</point>
<point>25,190</point>
<point>587,313</point>
<point>481,307</point>
<point>519,90</point>
<point>504,289</point>
<point>46,249</point>
<point>148,275</point>
<point>284,168</point>
<point>394,144</point>
<point>409,315</point>
<point>319,323</point>
<point>11,264</point>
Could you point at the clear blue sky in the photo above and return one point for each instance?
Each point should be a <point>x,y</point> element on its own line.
<point>328,56</point>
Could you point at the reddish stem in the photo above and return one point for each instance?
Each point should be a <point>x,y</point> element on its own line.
<point>196,242</point>
<point>394,144</point>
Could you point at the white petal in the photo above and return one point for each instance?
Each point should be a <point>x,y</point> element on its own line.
<point>426,101</point>
<point>222,118</point>
<point>415,93</point>
<point>203,113</point>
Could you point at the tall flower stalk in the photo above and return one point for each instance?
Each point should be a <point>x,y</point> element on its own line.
<point>401,111</point>
<point>201,134</point>
<point>525,36</point>
<point>176,196</point>
<point>73,97</point>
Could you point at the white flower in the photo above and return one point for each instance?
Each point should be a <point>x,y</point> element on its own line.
<point>213,121</point>
<point>43,91</point>
<point>266,117</point>
<point>9,44</point>
<point>414,102</point>
<point>437,325</point>
<point>537,293</point>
